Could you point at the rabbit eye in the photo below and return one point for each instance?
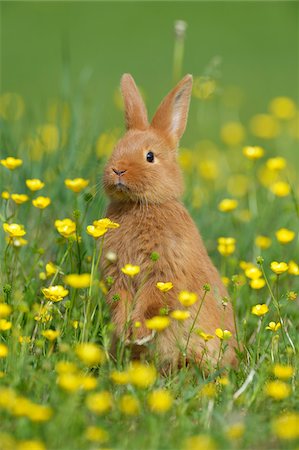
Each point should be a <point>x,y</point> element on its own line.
<point>150,157</point>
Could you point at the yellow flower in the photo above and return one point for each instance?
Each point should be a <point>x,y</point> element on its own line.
<point>225,281</point>
<point>55,293</point>
<point>96,232</point>
<point>259,310</point>
<point>277,163</point>
<point>19,199</point>
<point>208,390</point>
<point>264,126</point>
<point>5,195</point>
<point>286,426</point>
<point>226,246</point>
<point>51,335</point>
<point>65,227</point>
<point>69,381</point>
<point>11,163</point>
<point>129,405</point>
<point>14,229</point>
<point>291,295</point>
<point>77,184</point>
<point>96,434</point>
<point>178,314</point>
<point>100,402</point>
<point>90,354</point>
<point>18,242</point>
<point>283,108</point>
<point>78,281</point>
<point>205,336</point>
<point>164,287</point>
<point>5,310</point>
<point>223,334</point>
<point>253,272</point>
<point>48,134</point>
<point>263,242</point>
<point>227,205</point>
<point>235,431</point>
<point>283,372</point>
<point>157,323</point>
<point>160,401</point>
<point>142,375</point>
<point>253,152</point>
<point>66,367</point>
<point>280,188</point>
<point>3,351</point>
<point>105,223</point>
<point>187,298</point>
<point>232,133</point>
<point>34,184</point>
<point>277,390</point>
<point>120,377</point>
<point>257,283</point>
<point>30,445</point>
<point>273,326</point>
<point>41,202</point>
<point>293,268</point>
<point>50,269</point>
<point>284,236</point>
<point>130,270</point>
<point>5,325</point>
<point>199,442</point>
<point>279,267</point>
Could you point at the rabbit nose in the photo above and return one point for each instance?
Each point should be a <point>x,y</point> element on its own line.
<point>119,172</point>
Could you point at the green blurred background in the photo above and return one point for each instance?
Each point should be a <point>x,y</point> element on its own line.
<point>51,49</point>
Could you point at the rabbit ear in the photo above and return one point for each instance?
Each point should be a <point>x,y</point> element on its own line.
<point>135,110</point>
<point>171,116</point>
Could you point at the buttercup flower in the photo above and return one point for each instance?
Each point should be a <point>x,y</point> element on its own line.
<point>286,426</point>
<point>41,202</point>
<point>34,184</point>
<point>227,205</point>
<point>283,372</point>
<point>284,236</point>
<point>129,405</point>
<point>90,354</point>
<point>105,223</point>
<point>257,283</point>
<point>78,281</point>
<point>19,199</point>
<point>277,163</point>
<point>5,310</point>
<point>65,227</point>
<point>283,108</point>
<point>253,152</point>
<point>178,314</point>
<point>259,310</point>
<point>96,434</point>
<point>160,401</point>
<point>130,270</point>
<point>205,336</point>
<point>187,298</point>
<point>3,351</point>
<point>157,323</point>
<point>142,375</point>
<point>226,246</point>
<point>293,268</point>
<point>263,242</point>
<point>273,326</point>
<point>223,334</point>
<point>14,230</point>
<point>100,227</point>
<point>120,377</point>
<point>280,189</point>
<point>77,184</point>
<point>277,390</point>
<point>5,195</point>
<point>279,267</point>
<point>51,335</point>
<point>50,269</point>
<point>292,295</point>
<point>253,273</point>
<point>100,402</point>
<point>11,163</point>
<point>5,325</point>
<point>164,287</point>
<point>200,442</point>
<point>55,293</point>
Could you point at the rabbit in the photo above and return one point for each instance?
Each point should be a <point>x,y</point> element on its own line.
<point>144,183</point>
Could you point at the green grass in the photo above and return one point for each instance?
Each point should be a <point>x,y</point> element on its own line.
<point>77,145</point>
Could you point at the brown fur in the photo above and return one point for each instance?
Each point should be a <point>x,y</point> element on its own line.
<point>145,201</point>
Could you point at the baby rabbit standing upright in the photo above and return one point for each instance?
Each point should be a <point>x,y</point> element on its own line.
<point>144,183</point>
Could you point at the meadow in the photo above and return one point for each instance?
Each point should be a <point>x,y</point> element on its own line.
<point>60,389</point>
